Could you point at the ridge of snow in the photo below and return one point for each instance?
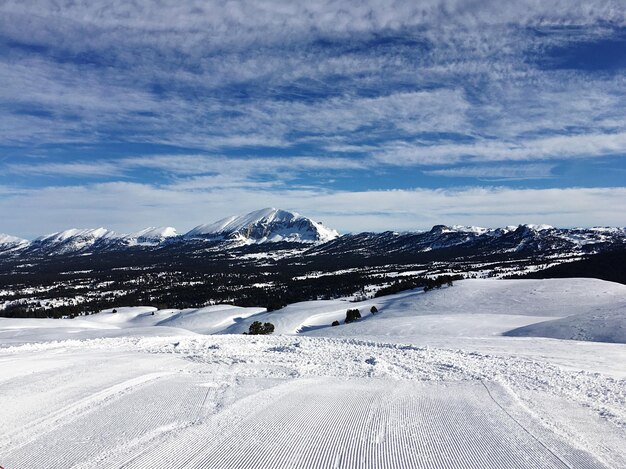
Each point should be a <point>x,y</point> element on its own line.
<point>74,239</point>
<point>8,239</point>
<point>470,229</point>
<point>151,235</point>
<point>61,236</point>
<point>236,223</point>
<point>541,227</point>
<point>10,243</point>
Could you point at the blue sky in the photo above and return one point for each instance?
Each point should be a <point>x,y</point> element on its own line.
<point>367,115</point>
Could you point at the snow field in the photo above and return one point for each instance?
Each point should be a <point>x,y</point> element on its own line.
<point>471,308</point>
<point>429,381</point>
<point>286,401</point>
<point>373,423</point>
<point>583,309</point>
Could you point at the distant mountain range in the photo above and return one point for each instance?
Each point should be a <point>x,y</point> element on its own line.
<point>271,225</point>
<point>273,257</point>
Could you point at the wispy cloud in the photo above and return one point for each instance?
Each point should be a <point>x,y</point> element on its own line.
<point>207,103</point>
<point>57,208</point>
<point>185,166</point>
<point>555,147</point>
<point>517,172</point>
<point>72,169</point>
<point>215,77</point>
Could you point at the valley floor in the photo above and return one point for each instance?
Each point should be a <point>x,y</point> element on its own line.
<point>399,389</point>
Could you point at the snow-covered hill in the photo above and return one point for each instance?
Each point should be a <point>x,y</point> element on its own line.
<point>266,225</point>
<point>582,309</point>
<point>605,323</point>
<point>428,381</point>
<point>471,308</point>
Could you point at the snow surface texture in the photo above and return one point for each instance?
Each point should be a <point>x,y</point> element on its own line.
<point>428,381</point>
<point>602,324</point>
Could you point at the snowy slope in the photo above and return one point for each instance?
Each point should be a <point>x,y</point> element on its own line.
<point>469,308</point>
<point>152,236</point>
<point>10,243</point>
<point>73,240</point>
<point>210,319</point>
<point>599,324</point>
<point>269,224</point>
<point>138,389</point>
<point>280,401</point>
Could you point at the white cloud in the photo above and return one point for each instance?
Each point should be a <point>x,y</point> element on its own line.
<point>403,83</point>
<point>72,169</point>
<point>239,169</point>
<point>57,208</point>
<point>547,148</point>
<point>529,171</point>
<point>98,67</point>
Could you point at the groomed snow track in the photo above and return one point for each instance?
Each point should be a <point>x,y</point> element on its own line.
<point>285,402</point>
<point>369,424</point>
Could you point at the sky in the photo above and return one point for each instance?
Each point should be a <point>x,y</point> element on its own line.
<point>367,115</point>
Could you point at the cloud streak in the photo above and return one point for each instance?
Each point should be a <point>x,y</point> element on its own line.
<point>56,208</point>
<point>299,105</point>
<point>518,172</point>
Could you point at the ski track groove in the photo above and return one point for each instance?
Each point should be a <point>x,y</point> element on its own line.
<point>345,426</point>
<point>88,436</point>
<point>191,443</point>
<point>524,428</point>
<point>49,422</point>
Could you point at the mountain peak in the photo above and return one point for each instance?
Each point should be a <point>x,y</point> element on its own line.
<point>150,236</point>
<point>8,239</point>
<point>265,225</point>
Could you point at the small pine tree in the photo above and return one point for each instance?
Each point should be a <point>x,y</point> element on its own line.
<point>352,315</point>
<point>335,323</point>
<point>256,328</point>
<point>373,310</point>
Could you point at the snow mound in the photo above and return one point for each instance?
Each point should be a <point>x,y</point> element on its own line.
<point>210,319</point>
<point>606,324</point>
<point>470,308</point>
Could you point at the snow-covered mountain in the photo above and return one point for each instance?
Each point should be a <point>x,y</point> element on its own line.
<point>271,225</point>
<point>152,236</point>
<point>266,225</point>
<point>72,240</point>
<point>527,239</point>
<point>10,243</point>
<point>262,226</point>
<point>86,240</point>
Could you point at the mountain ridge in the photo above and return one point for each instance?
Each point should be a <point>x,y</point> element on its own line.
<point>272,226</point>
